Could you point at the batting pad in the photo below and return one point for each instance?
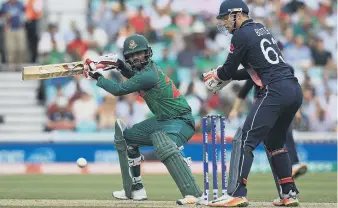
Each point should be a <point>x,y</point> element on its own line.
<point>171,157</point>
<point>121,147</point>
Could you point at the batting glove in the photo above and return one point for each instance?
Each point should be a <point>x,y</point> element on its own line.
<point>107,61</point>
<point>103,63</point>
<point>90,71</point>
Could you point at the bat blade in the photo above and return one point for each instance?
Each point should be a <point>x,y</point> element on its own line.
<point>52,71</point>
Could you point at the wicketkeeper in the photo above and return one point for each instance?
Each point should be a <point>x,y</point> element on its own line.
<point>170,128</point>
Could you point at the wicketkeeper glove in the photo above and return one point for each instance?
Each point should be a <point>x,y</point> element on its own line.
<point>213,82</point>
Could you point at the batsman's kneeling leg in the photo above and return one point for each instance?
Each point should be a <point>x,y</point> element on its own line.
<point>171,157</point>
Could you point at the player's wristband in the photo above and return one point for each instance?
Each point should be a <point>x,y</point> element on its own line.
<point>95,75</point>
<point>121,65</point>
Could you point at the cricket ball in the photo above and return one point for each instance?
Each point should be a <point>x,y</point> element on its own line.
<point>81,162</point>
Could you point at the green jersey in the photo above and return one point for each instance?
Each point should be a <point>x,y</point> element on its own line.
<point>156,88</point>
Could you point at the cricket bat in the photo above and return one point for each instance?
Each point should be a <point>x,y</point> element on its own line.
<point>52,71</point>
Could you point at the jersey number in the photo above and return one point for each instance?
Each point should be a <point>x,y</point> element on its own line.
<point>268,49</point>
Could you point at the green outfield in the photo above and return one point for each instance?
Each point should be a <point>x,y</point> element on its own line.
<point>90,190</point>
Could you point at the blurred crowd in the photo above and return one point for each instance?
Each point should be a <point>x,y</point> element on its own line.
<point>185,42</point>
<point>19,31</point>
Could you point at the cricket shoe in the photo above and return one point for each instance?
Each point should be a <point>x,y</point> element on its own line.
<point>191,200</point>
<point>289,200</point>
<point>137,195</point>
<point>229,201</point>
<point>278,202</point>
<point>298,170</point>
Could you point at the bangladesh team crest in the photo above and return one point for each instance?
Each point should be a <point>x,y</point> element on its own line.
<point>132,44</point>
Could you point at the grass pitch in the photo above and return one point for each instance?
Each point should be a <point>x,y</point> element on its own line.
<point>317,190</point>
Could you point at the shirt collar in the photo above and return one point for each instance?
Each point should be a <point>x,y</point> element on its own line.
<point>246,22</point>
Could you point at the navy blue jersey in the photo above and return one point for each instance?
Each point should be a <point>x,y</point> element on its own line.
<point>249,84</point>
<point>253,46</point>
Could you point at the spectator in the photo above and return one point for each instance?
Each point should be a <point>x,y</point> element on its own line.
<point>125,32</point>
<point>298,55</point>
<point>183,20</point>
<point>275,29</point>
<point>51,45</point>
<point>169,66</point>
<point>330,79</point>
<point>205,62</point>
<point>324,7</point>
<point>307,83</point>
<point>96,38</point>
<point>77,47</point>
<point>177,41</point>
<point>117,19</point>
<point>110,18</point>
<point>309,105</point>
<point>198,33</point>
<point>15,40</point>
<point>74,89</point>
<point>171,30</point>
<point>288,38</point>
<point>303,27</point>
<point>329,102</point>
<point>328,33</point>
<point>301,122</point>
<point>216,42</point>
<point>139,21</point>
<point>186,56</point>
<point>34,9</point>
<point>59,115</point>
<point>70,34</point>
<point>107,113</point>
<point>320,121</point>
<point>150,33</point>
<point>320,56</point>
<point>101,14</point>
<point>210,41</point>
<point>160,18</point>
<point>259,10</point>
<point>53,105</point>
<point>194,101</point>
<point>85,110</point>
<point>131,111</point>
<point>285,21</point>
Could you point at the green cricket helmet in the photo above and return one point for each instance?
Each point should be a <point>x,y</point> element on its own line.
<point>136,51</point>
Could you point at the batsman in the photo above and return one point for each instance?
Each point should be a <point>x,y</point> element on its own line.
<point>170,128</point>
